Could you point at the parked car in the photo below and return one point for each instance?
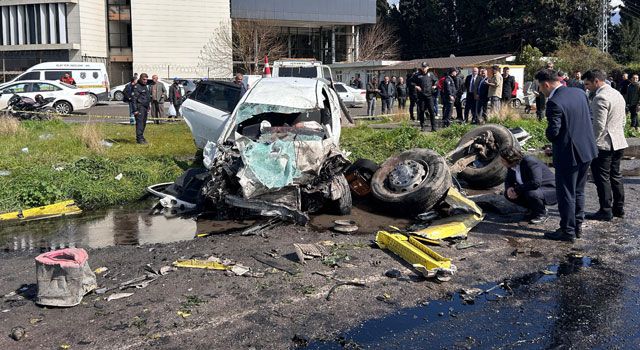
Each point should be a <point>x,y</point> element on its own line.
<point>117,94</point>
<point>275,150</point>
<point>301,68</point>
<point>350,96</point>
<point>68,98</point>
<point>91,76</point>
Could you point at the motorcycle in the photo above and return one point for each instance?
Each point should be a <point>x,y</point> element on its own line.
<point>26,108</point>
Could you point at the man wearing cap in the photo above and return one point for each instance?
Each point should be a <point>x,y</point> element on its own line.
<point>424,84</point>
<point>449,92</point>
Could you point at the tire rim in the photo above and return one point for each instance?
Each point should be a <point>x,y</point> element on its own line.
<point>63,108</point>
<point>407,175</point>
<point>119,96</point>
<point>94,100</point>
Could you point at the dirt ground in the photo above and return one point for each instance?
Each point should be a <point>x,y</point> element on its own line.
<point>233,312</point>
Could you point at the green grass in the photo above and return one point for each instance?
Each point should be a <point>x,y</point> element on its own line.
<point>380,144</point>
<point>59,166</point>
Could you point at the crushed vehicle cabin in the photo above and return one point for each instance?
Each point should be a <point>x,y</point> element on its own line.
<point>272,152</point>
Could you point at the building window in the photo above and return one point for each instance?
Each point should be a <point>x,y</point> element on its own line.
<point>119,34</point>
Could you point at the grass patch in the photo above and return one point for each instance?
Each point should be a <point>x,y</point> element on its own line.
<point>69,161</point>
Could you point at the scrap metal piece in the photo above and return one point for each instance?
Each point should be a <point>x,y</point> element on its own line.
<point>268,209</point>
<point>467,214</point>
<point>426,261</point>
<point>200,264</point>
<point>64,208</point>
<point>275,265</point>
<point>309,251</point>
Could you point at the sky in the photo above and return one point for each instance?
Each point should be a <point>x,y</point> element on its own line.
<point>615,19</point>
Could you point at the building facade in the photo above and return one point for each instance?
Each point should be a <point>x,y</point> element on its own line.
<point>33,32</point>
<point>166,37</point>
<point>327,30</point>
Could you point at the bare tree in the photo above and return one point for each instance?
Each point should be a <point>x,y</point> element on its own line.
<point>246,42</point>
<point>379,42</point>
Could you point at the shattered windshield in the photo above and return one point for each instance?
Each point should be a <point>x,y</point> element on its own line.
<point>249,110</point>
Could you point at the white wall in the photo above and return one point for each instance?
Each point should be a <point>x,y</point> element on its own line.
<point>93,27</point>
<point>168,36</point>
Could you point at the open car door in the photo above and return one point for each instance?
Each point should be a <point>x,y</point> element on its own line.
<point>208,108</point>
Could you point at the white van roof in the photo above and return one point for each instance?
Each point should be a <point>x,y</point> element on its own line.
<point>68,65</point>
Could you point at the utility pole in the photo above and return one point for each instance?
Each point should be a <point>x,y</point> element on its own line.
<point>603,26</point>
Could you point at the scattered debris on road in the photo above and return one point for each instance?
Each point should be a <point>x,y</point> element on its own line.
<point>64,277</point>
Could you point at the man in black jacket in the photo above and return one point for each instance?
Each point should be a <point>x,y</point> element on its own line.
<point>459,80</point>
<point>413,96</point>
<point>470,86</point>
<point>449,92</point>
<point>142,100</point>
<point>424,83</point>
<point>508,85</point>
<point>529,183</point>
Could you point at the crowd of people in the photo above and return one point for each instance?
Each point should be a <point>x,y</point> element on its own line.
<point>585,125</point>
<point>487,89</point>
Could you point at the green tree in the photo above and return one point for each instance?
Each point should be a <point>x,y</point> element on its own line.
<point>571,57</point>
<point>625,43</point>
<point>530,56</point>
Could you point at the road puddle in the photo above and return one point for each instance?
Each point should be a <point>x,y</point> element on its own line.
<point>501,315</point>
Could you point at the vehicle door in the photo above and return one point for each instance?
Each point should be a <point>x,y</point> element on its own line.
<point>336,114</point>
<point>344,93</point>
<point>208,109</point>
<point>22,89</point>
<point>46,90</point>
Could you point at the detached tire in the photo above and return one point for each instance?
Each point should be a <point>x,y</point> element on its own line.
<point>412,182</point>
<point>489,173</point>
<point>344,203</point>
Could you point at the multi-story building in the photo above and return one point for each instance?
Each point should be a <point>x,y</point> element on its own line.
<point>50,30</point>
<point>166,37</point>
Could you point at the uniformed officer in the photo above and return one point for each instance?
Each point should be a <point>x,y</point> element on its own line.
<point>449,92</point>
<point>424,83</point>
<point>142,100</point>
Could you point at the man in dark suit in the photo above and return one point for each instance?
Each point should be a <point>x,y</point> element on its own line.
<point>574,147</point>
<point>529,183</point>
<point>470,84</point>
<point>482,98</point>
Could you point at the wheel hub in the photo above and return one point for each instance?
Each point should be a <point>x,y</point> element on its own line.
<point>406,176</point>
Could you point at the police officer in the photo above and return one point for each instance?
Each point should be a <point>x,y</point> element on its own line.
<point>142,100</point>
<point>424,84</point>
<point>449,93</point>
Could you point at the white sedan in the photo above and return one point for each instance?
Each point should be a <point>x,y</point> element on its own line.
<point>117,94</point>
<point>350,96</point>
<point>68,98</point>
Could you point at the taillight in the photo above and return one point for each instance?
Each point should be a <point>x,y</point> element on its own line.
<point>82,93</point>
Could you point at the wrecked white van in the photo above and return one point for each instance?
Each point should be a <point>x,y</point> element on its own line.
<point>272,152</point>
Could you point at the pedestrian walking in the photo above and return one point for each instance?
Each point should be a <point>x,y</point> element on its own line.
<point>459,82</point>
<point>158,96</point>
<point>495,88</point>
<point>609,116</point>
<point>482,98</point>
<point>633,100</point>
<point>127,96</point>
<point>574,147</point>
<point>175,96</point>
<point>508,85</point>
<point>142,101</point>
<point>402,93</point>
<point>372,94</point>
<point>529,184</point>
<point>471,88</point>
<point>387,94</point>
<point>425,84</point>
<point>449,93</point>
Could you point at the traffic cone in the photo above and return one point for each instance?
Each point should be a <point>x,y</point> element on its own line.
<point>267,69</point>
